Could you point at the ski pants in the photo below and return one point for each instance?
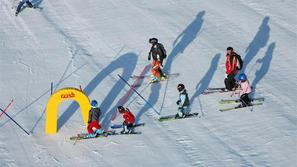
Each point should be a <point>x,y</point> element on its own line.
<point>245,100</point>
<point>230,82</point>
<point>93,124</point>
<point>183,111</point>
<point>127,126</point>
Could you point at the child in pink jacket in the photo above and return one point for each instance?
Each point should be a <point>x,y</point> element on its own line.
<point>246,90</point>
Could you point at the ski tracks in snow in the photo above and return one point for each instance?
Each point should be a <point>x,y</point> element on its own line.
<point>5,157</point>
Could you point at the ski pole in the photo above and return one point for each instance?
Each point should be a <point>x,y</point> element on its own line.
<point>6,107</point>
<point>52,85</point>
<point>15,122</point>
<point>130,91</point>
<point>139,94</point>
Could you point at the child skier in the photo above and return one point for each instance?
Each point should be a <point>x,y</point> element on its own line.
<point>183,102</point>
<point>233,64</point>
<point>94,127</point>
<point>129,120</point>
<point>21,3</point>
<point>246,90</point>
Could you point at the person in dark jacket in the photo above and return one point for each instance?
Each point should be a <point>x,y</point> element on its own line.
<point>129,119</point>
<point>94,127</point>
<point>183,102</point>
<point>157,51</point>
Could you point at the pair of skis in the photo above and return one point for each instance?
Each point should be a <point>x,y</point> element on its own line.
<point>121,126</point>
<point>84,136</point>
<point>215,90</point>
<point>173,117</point>
<point>168,76</point>
<point>254,102</point>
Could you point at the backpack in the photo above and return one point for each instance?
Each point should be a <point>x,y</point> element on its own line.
<point>163,50</point>
<point>238,57</point>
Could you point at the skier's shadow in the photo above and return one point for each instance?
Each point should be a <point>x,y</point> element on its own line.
<point>260,40</point>
<point>184,39</point>
<point>265,61</point>
<point>205,81</point>
<point>120,63</point>
<point>110,114</point>
<point>153,98</point>
<point>180,44</point>
<point>36,3</point>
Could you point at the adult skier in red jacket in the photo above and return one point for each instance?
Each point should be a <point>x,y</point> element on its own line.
<point>233,64</point>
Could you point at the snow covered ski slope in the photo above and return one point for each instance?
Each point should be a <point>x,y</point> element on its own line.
<point>88,43</point>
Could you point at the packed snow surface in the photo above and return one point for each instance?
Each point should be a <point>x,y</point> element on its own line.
<point>90,42</point>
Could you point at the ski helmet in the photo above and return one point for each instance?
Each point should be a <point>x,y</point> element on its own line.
<point>94,103</point>
<point>121,109</point>
<point>153,40</point>
<point>242,77</point>
<point>229,48</point>
<point>180,87</point>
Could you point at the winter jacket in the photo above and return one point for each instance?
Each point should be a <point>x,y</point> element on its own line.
<point>128,116</point>
<point>246,87</point>
<point>157,52</point>
<point>231,63</point>
<point>184,99</point>
<point>94,114</point>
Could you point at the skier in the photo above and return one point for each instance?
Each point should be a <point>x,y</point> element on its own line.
<point>157,51</point>
<point>183,102</point>
<point>129,120</point>
<point>246,90</point>
<point>233,64</point>
<point>21,3</point>
<point>94,127</point>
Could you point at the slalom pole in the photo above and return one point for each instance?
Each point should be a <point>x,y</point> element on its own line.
<point>6,107</point>
<point>52,85</point>
<point>14,121</point>
<point>139,94</point>
<point>131,89</point>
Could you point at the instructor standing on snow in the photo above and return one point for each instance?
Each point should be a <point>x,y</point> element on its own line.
<point>233,65</point>
<point>157,51</point>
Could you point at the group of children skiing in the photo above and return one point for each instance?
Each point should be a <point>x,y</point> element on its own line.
<point>157,52</point>
<point>94,127</point>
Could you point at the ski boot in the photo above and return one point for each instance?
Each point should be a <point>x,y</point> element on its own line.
<point>127,130</point>
<point>163,78</point>
<point>154,80</point>
<point>180,115</point>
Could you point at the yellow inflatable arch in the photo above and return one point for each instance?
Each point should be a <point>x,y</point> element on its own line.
<point>57,98</point>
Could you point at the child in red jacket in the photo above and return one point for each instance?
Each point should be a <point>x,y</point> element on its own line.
<point>129,119</point>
